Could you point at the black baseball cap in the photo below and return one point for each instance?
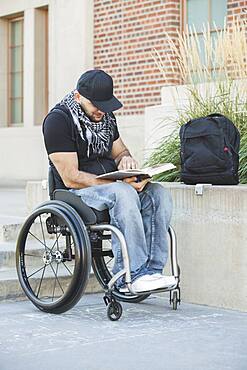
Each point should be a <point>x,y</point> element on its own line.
<point>97,86</point>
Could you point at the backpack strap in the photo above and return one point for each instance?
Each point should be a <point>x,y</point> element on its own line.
<point>62,112</point>
<point>232,132</point>
<point>68,118</point>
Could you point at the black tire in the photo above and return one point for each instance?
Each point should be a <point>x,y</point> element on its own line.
<point>114,311</point>
<point>62,280</point>
<point>102,258</point>
<point>86,250</point>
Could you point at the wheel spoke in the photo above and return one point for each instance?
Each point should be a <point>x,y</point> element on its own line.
<point>31,255</point>
<point>36,271</point>
<point>57,240</point>
<point>67,268</point>
<point>57,237</point>
<point>107,263</point>
<point>41,224</point>
<point>29,232</point>
<point>56,278</point>
<point>53,293</point>
<point>41,280</point>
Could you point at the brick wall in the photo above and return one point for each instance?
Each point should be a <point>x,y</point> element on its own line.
<point>126,31</point>
<point>236,9</point>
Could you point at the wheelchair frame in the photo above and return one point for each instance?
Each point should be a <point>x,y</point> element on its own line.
<point>79,222</point>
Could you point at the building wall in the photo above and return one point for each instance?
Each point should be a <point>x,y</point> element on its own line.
<point>117,36</point>
<point>125,33</point>
<point>70,51</point>
<point>236,8</point>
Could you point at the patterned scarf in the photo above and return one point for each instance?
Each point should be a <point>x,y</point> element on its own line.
<point>99,134</point>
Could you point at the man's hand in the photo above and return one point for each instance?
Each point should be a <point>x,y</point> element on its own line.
<point>139,186</point>
<point>127,163</point>
<point>122,156</point>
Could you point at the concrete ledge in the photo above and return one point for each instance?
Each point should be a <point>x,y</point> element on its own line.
<point>36,193</point>
<point>212,236</point>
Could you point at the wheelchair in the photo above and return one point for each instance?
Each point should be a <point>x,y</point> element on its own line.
<point>62,241</point>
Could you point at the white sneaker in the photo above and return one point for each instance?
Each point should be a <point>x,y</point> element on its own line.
<point>149,282</point>
<point>125,289</point>
<point>168,280</point>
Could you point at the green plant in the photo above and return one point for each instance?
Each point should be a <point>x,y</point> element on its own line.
<point>224,73</point>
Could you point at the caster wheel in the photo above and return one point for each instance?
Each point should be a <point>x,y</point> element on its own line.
<point>114,311</point>
<point>175,300</point>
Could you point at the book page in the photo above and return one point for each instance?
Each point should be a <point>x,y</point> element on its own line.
<point>121,174</point>
<point>155,170</point>
<point>141,173</point>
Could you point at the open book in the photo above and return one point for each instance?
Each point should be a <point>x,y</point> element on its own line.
<point>143,173</point>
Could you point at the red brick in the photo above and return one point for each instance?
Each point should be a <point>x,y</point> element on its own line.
<point>125,33</point>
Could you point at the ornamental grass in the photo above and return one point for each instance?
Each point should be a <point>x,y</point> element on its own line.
<point>218,60</point>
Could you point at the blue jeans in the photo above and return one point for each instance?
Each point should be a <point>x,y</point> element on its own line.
<point>143,218</point>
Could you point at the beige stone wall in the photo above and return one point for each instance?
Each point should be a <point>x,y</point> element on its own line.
<point>70,52</point>
<point>22,155</point>
<point>131,129</point>
<point>211,233</point>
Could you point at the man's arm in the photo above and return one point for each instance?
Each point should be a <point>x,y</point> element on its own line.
<point>67,167</point>
<point>122,156</point>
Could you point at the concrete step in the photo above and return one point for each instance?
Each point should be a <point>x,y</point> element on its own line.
<point>8,240</point>
<point>7,254</point>
<point>10,288</point>
<point>9,232</point>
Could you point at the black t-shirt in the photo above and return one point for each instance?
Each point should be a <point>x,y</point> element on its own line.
<point>61,135</point>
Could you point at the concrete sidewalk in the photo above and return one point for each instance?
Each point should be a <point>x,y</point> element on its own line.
<point>148,336</point>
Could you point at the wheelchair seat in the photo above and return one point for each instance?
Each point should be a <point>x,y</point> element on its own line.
<point>90,216</point>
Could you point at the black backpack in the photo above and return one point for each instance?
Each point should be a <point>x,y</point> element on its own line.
<point>209,151</point>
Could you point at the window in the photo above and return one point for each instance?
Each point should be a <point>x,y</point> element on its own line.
<point>202,12</point>
<point>41,65</point>
<point>15,74</point>
<point>200,16</point>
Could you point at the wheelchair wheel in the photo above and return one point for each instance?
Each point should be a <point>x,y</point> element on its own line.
<point>114,311</point>
<point>53,257</point>
<point>102,263</point>
<point>174,300</point>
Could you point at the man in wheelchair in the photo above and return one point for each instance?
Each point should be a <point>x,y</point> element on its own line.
<point>82,141</point>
